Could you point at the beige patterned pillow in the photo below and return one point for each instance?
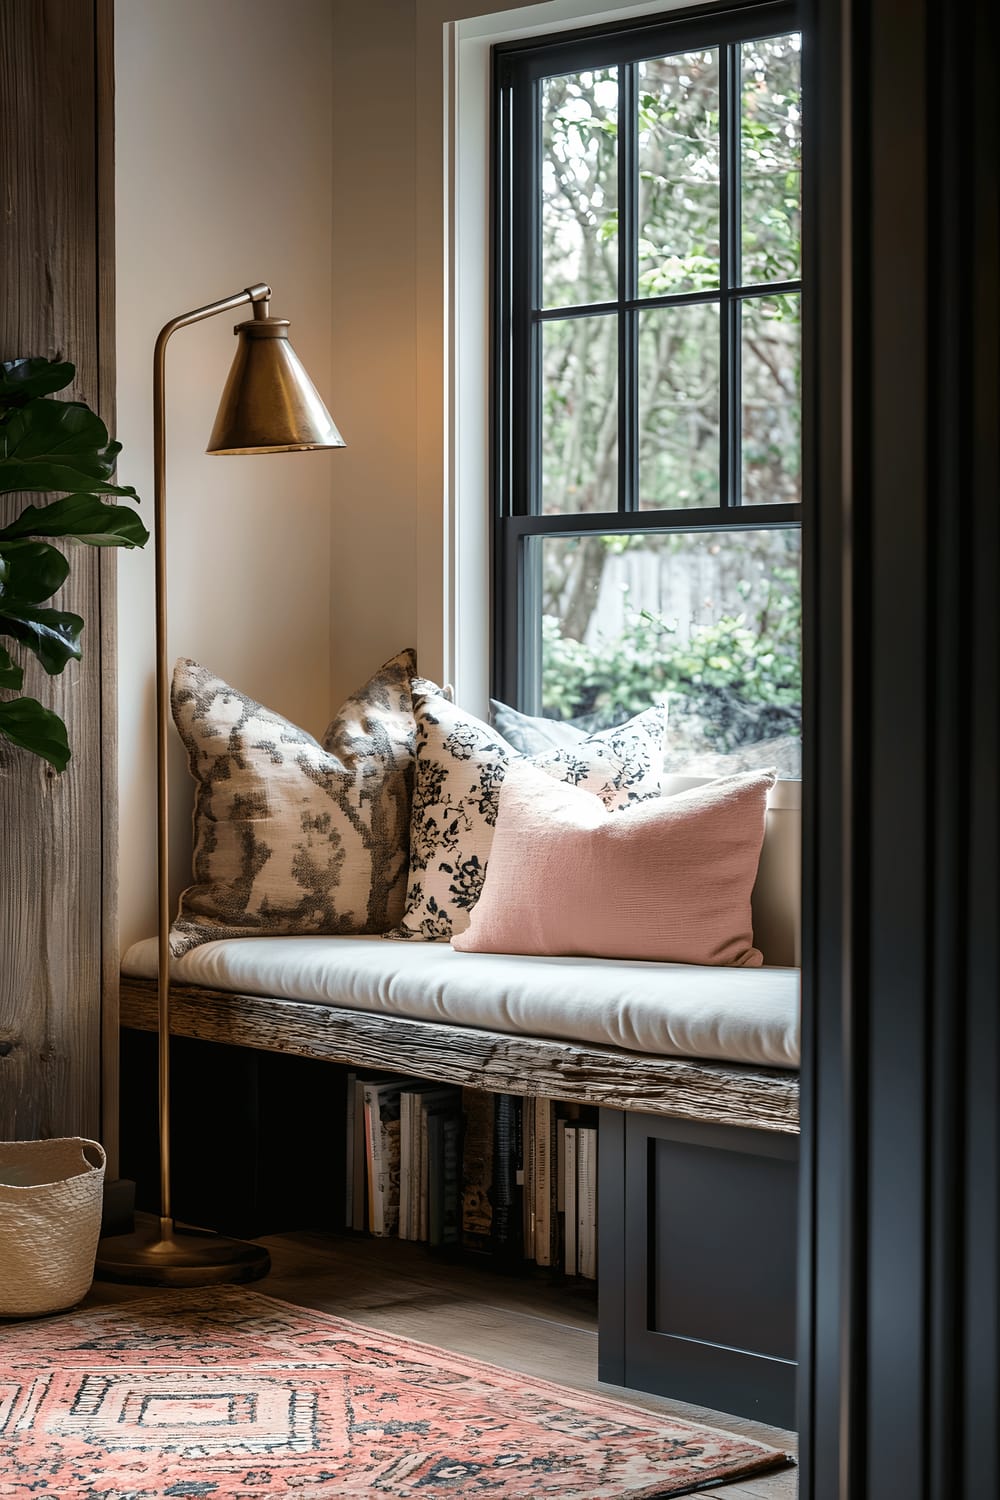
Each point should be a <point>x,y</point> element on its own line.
<point>461,763</point>
<point>290,836</point>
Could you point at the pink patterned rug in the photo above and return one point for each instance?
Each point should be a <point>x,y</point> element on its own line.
<point>229,1395</point>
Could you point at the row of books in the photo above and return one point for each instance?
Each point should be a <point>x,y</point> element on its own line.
<point>497,1173</point>
<point>560,1188</point>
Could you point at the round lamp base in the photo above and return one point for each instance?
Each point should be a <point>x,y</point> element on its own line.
<point>161,1254</point>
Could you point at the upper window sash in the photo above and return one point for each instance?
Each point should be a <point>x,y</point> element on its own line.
<point>520,313</point>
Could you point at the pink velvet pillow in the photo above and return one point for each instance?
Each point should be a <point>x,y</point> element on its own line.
<point>667,879</point>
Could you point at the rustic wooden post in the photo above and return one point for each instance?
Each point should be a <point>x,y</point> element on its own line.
<point>58,837</point>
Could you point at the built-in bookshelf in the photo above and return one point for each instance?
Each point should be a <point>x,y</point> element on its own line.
<point>508,1180</point>
<point>496,1174</point>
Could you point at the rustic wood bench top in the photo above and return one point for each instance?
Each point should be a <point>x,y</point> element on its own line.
<point>684,1088</point>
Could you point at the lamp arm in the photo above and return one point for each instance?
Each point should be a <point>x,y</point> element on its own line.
<point>259,296</point>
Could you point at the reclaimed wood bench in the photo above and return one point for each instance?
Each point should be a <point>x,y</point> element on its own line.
<point>738,1095</point>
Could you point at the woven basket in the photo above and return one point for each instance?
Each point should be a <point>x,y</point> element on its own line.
<point>50,1221</point>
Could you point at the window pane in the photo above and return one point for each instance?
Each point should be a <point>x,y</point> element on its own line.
<point>678,101</point>
<point>772,399</point>
<point>679,407</point>
<point>772,159</point>
<point>579,446</point>
<point>580,188</point>
<point>707,622</point>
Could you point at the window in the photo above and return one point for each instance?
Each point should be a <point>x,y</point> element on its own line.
<point>647,381</point>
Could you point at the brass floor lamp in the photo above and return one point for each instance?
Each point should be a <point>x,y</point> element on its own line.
<point>269,405</point>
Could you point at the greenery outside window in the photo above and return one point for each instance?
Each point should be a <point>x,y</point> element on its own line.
<point>647,406</point>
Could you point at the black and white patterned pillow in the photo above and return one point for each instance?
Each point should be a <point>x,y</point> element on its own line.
<point>291,836</point>
<point>460,766</point>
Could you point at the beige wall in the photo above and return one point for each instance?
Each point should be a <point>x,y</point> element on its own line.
<point>224,166</point>
<point>316,145</point>
<point>373,578</point>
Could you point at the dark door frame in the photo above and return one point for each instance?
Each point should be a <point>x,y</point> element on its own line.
<point>901,1068</point>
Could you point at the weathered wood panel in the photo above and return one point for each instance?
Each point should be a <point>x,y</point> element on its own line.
<point>757,1098</point>
<point>56,256</point>
<point>107,563</point>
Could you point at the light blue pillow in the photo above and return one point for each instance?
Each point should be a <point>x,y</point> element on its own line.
<point>530,734</point>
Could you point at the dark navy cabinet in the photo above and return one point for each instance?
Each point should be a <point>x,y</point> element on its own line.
<point>697,1263</point>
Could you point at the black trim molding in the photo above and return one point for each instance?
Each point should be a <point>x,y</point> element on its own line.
<point>901,1074</point>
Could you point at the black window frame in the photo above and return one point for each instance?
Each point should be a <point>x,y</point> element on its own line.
<point>517,315</point>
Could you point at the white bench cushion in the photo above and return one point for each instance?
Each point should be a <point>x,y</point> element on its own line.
<point>666,1010</point>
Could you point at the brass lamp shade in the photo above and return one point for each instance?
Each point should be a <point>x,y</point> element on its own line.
<point>269,404</point>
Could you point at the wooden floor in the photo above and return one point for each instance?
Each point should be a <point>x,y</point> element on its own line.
<point>522,1323</point>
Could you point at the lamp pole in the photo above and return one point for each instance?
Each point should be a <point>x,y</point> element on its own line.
<point>269,406</point>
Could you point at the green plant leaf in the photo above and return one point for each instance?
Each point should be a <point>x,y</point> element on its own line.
<point>22,380</point>
<point>84,517</point>
<point>61,446</point>
<point>52,634</point>
<point>26,723</point>
<point>11,675</point>
<point>30,572</point>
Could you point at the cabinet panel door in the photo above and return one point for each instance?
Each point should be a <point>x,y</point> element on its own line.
<point>698,1262</point>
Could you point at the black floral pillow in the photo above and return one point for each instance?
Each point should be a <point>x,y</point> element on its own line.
<point>460,766</point>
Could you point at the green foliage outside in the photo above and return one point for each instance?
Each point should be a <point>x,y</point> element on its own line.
<point>50,447</point>
<point>741,674</point>
<point>740,684</point>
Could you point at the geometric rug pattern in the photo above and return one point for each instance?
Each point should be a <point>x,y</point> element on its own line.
<point>227,1394</point>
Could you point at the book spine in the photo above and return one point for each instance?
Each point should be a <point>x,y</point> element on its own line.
<point>519,1128</point>
<point>543,1181</point>
<point>451,1127</point>
<point>416,1187</point>
<point>571,1266</point>
<point>528,1168</point>
<point>555,1219</point>
<point>435,1171</point>
<point>503,1172</point>
<point>370,1164</point>
<point>415,1183</point>
<point>405,1163</point>
<point>477,1169</point>
<point>517,1216</point>
<point>352,1079</point>
<point>424,1174</point>
<point>359,1218</point>
<point>587,1191</point>
<point>388,1117</point>
<point>382,1128</point>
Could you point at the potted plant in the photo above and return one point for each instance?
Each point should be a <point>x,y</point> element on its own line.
<point>50,1191</point>
<point>62,448</point>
